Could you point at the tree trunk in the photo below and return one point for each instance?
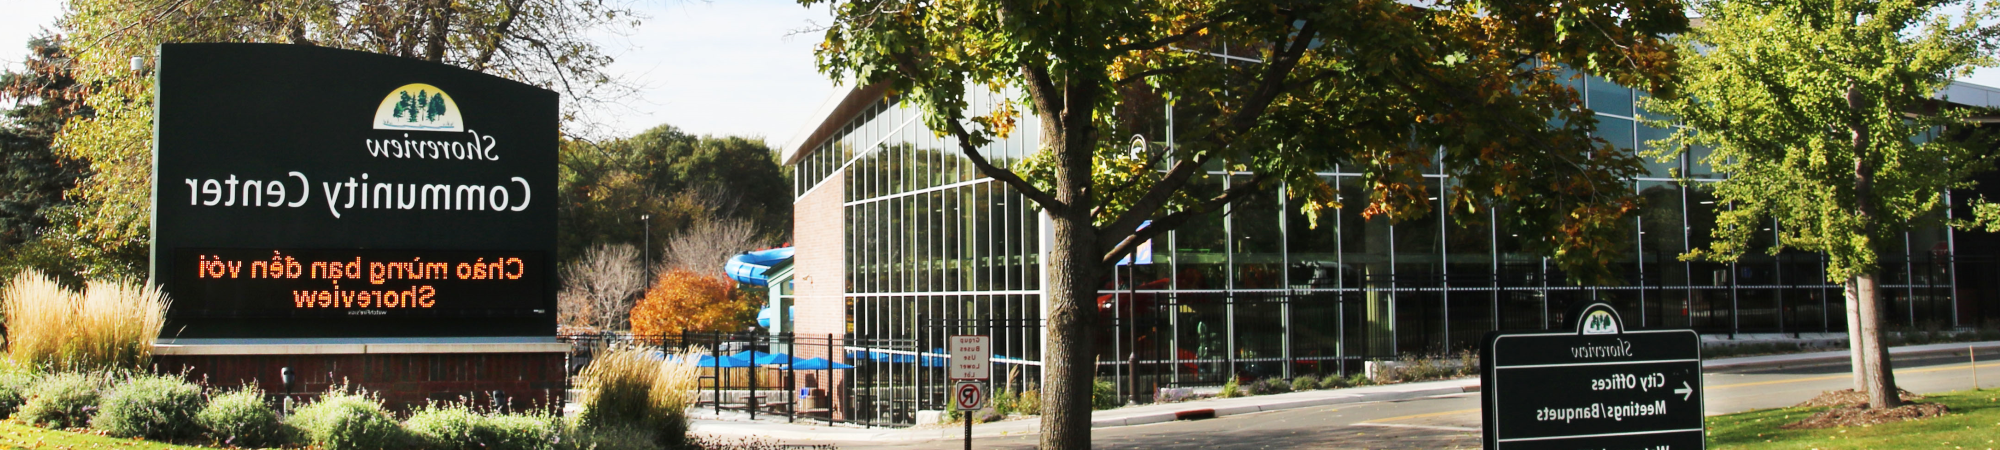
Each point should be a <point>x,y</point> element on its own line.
<point>1874,357</point>
<point>1068,366</point>
<point>1876,369</point>
<point>1856,357</point>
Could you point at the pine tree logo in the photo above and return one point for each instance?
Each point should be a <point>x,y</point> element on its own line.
<point>1599,321</point>
<point>420,107</point>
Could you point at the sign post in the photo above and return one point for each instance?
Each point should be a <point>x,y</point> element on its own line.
<point>971,367</point>
<point>1599,386</point>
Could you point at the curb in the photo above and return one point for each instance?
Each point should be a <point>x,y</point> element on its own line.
<point>1210,413</point>
<point>1843,356</point>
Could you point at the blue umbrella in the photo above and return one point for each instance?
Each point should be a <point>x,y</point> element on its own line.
<point>760,358</point>
<point>818,364</point>
<point>725,362</point>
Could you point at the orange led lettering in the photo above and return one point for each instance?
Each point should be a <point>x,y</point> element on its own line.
<point>516,274</point>
<point>425,300</point>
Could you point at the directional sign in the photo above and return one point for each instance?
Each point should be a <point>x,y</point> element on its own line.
<point>968,396</point>
<point>971,357</point>
<point>1598,387</point>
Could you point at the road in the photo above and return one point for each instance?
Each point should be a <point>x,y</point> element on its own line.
<point>1452,421</point>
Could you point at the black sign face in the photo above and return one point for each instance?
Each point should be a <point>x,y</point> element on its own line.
<point>312,192</point>
<point>1600,387</point>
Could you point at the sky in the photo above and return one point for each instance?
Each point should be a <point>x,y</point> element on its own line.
<point>716,67</point>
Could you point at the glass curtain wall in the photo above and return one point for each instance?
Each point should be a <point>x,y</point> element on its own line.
<point>934,249</point>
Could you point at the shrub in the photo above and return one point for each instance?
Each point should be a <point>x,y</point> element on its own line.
<point>1103,394</point>
<point>63,400</point>
<point>1274,385</point>
<point>343,421</point>
<point>447,427</point>
<point>1305,383</point>
<point>14,386</point>
<point>522,431</point>
<point>1004,401</point>
<point>1333,382</point>
<point>1030,402</point>
<point>1359,379</point>
<point>456,427</point>
<point>241,418</point>
<point>608,438</point>
<point>154,407</point>
<point>111,324</point>
<point>1232,389</point>
<point>627,387</point>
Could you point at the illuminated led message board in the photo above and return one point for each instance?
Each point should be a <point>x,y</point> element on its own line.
<point>311,192</point>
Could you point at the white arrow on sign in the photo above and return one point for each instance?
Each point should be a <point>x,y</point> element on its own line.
<point>1684,391</point>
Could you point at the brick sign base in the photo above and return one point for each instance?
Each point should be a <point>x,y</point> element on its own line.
<point>403,381</point>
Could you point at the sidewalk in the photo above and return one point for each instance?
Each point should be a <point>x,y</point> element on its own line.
<point>1842,356</point>
<point>735,424</point>
<point>732,424</point>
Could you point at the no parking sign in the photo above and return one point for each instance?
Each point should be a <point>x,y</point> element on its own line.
<point>968,396</point>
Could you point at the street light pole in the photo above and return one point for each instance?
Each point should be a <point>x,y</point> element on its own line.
<point>648,220</point>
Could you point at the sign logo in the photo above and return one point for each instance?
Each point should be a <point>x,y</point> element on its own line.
<point>1600,321</point>
<point>418,107</point>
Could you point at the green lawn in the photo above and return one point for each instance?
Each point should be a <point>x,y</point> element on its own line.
<point>15,435</point>
<point>1974,423</point>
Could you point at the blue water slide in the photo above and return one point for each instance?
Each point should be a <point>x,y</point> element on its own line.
<point>765,315</point>
<point>749,267</point>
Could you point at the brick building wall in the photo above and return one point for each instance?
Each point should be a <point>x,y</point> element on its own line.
<point>819,284</point>
<point>402,381</point>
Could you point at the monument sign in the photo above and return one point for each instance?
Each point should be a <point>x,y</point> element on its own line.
<point>312,192</point>
<point>1599,386</point>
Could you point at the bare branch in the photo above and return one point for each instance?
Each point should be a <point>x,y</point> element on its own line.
<point>708,243</point>
<point>599,288</point>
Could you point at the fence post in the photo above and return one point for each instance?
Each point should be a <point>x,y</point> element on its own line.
<point>715,352</point>
<point>826,379</point>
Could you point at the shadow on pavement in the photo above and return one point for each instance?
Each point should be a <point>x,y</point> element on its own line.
<point>1356,437</point>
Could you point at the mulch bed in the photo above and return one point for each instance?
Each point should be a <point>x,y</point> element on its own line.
<point>1851,410</point>
<point>1850,397</point>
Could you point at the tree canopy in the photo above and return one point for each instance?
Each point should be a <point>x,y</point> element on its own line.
<point>1281,89</point>
<point>1824,115</point>
<point>676,178</point>
<point>37,217</point>
<point>1792,95</point>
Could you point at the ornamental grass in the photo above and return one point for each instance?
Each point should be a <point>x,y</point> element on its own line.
<point>110,324</point>
<point>632,387</point>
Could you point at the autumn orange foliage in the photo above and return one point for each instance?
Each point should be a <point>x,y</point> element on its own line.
<point>684,300</point>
